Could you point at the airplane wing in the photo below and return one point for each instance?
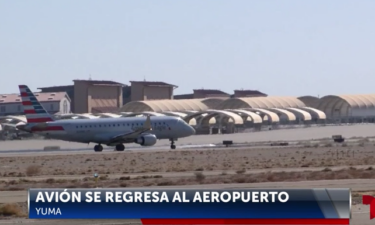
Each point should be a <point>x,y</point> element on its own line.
<point>23,127</point>
<point>12,124</point>
<point>135,133</point>
<point>9,125</point>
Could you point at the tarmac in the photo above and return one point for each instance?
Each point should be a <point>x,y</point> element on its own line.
<point>199,141</point>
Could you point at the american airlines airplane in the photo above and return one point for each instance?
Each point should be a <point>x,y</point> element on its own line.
<point>108,131</point>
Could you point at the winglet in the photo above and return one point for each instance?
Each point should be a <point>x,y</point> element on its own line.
<point>147,124</point>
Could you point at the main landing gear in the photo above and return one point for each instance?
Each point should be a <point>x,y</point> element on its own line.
<point>98,148</point>
<point>120,147</point>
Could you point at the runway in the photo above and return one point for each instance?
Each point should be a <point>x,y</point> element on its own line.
<point>195,141</point>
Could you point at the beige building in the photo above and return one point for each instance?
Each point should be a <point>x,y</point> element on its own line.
<point>54,102</point>
<point>69,89</point>
<point>203,93</point>
<point>209,93</point>
<point>248,93</point>
<point>95,96</point>
<point>151,90</point>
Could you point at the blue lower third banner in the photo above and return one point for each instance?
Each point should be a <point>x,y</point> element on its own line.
<point>158,206</point>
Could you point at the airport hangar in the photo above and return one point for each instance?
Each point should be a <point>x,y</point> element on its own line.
<point>229,115</point>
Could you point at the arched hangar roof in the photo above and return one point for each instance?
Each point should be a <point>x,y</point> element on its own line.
<point>286,113</point>
<point>310,101</point>
<point>212,103</point>
<point>261,102</point>
<point>210,113</point>
<point>164,105</point>
<point>254,117</point>
<point>318,113</point>
<point>343,103</point>
<point>305,115</point>
<point>236,119</point>
<point>271,116</point>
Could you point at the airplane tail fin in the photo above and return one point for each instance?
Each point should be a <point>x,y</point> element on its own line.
<point>34,111</point>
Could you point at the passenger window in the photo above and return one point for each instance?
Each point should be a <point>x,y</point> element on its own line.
<point>100,125</point>
<point>118,124</point>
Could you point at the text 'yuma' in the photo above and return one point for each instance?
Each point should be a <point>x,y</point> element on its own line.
<point>48,211</point>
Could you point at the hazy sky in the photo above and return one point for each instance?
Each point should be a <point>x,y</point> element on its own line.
<point>300,47</point>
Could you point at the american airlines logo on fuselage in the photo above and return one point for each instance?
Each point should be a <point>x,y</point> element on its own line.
<point>159,128</point>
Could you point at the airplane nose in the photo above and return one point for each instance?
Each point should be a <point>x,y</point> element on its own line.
<point>190,130</point>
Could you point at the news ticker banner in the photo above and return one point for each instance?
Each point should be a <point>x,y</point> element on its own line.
<point>195,206</point>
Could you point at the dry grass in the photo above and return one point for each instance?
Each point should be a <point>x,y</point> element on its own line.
<point>196,178</point>
<point>199,176</point>
<point>189,160</point>
<point>241,171</point>
<point>32,170</point>
<point>11,210</point>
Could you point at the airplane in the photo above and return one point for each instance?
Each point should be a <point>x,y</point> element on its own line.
<point>107,131</point>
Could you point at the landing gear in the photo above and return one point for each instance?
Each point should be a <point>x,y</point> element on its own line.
<point>120,147</point>
<point>98,148</point>
<point>172,144</point>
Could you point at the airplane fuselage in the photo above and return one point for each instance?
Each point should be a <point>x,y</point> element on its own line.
<point>102,129</point>
<point>110,131</point>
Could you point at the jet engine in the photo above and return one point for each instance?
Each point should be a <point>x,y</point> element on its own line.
<point>146,140</point>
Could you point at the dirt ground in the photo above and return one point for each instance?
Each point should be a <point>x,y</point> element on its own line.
<point>190,160</point>
<point>20,172</point>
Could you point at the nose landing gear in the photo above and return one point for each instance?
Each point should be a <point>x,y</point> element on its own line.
<point>173,146</point>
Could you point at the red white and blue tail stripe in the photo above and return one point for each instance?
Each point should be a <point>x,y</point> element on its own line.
<point>34,111</point>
